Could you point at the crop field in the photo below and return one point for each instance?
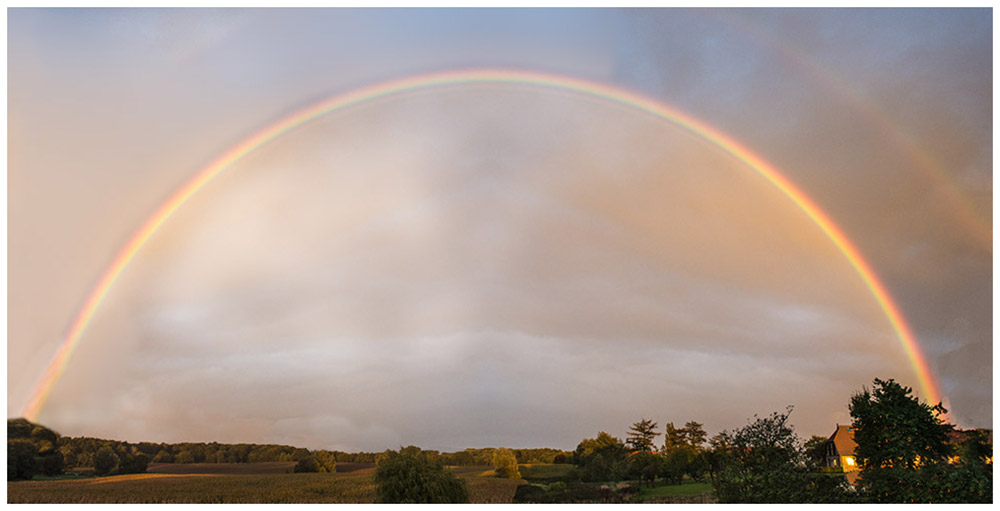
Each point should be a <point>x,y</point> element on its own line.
<point>234,484</point>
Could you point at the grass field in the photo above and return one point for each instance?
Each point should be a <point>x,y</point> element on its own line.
<point>544,472</point>
<point>238,484</point>
<point>688,492</point>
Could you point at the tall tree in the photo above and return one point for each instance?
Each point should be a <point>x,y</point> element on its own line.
<point>673,437</point>
<point>694,435</point>
<point>903,446</point>
<point>894,429</point>
<point>641,435</point>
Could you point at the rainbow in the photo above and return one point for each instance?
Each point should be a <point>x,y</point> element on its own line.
<point>922,159</point>
<point>86,313</point>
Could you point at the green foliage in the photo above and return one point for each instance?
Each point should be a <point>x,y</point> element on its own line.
<point>47,458</point>
<point>184,456</point>
<point>762,463</point>
<point>50,464</point>
<point>163,456</point>
<point>644,466</point>
<point>505,464</point>
<point>697,466</point>
<point>814,451</point>
<point>903,447</point>
<point>894,429</point>
<point>675,463</point>
<point>325,460</point>
<point>691,435</point>
<point>601,458</point>
<point>21,459</point>
<point>409,476</point>
<point>105,461</point>
<point>306,464</point>
<point>641,435</point>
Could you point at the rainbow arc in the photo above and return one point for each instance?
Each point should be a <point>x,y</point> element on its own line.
<point>60,359</point>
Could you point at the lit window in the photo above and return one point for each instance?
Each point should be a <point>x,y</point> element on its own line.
<point>849,460</point>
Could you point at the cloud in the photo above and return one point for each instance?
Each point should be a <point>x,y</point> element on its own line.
<point>490,265</point>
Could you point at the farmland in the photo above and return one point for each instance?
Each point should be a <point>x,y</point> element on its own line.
<point>239,483</point>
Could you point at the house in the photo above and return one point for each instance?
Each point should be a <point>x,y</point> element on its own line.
<point>840,452</point>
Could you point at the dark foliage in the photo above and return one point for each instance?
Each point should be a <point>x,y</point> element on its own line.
<point>21,459</point>
<point>601,458</point>
<point>644,466</point>
<point>572,493</point>
<point>641,435</point>
<point>32,449</point>
<point>905,454</point>
<point>410,476</point>
<point>762,463</point>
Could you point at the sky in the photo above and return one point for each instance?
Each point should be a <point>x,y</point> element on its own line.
<point>493,264</point>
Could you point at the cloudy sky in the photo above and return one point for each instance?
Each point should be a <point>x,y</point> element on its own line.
<point>491,265</point>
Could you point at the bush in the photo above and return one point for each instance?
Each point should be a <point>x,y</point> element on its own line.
<point>505,464</point>
<point>411,477</point>
<point>306,464</point>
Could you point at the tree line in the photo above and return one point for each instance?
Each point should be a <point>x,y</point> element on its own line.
<point>906,453</point>
<point>37,450</point>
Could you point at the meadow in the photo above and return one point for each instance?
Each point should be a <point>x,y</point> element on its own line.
<point>239,483</point>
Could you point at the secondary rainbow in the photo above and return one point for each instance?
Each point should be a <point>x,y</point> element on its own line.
<point>83,317</point>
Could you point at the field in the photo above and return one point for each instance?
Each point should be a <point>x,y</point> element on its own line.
<point>688,492</point>
<point>239,483</point>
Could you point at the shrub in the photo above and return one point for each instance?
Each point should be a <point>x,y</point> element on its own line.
<point>411,477</point>
<point>505,464</point>
<point>306,464</point>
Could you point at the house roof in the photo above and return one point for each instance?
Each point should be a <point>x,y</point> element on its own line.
<point>843,440</point>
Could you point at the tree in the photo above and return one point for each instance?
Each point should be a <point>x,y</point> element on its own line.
<point>762,463</point>
<point>132,461</point>
<point>163,456</point>
<point>694,435</point>
<point>675,464</point>
<point>601,458</point>
<point>105,461</point>
<point>184,456</point>
<point>410,477</point>
<point>815,451</point>
<point>641,435</point>
<point>21,459</point>
<point>644,466</point>
<point>505,464</point>
<point>903,447</point>
<point>672,438</point>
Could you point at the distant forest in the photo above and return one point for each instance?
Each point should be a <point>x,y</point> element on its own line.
<point>39,450</point>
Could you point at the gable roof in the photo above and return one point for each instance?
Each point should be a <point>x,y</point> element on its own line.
<point>843,440</point>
